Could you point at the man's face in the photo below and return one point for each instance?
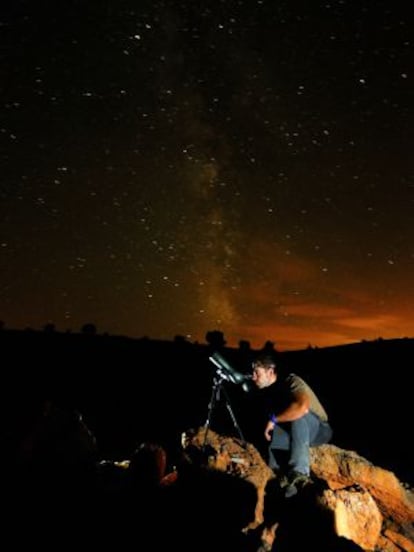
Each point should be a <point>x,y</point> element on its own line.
<point>263,377</point>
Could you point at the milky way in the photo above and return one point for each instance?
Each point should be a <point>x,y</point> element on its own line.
<point>171,168</point>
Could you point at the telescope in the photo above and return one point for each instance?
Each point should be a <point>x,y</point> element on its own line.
<point>226,372</point>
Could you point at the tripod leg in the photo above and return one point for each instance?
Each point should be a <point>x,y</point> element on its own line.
<point>233,417</point>
<point>215,392</point>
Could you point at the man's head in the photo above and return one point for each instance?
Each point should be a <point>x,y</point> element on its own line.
<point>264,371</point>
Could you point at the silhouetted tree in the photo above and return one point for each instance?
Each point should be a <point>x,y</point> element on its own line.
<point>89,329</point>
<point>180,339</point>
<point>269,347</point>
<point>215,338</point>
<point>244,345</point>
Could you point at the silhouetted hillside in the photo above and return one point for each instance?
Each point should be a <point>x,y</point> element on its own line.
<point>129,390</point>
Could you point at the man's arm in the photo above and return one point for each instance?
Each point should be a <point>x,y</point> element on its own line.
<point>295,410</point>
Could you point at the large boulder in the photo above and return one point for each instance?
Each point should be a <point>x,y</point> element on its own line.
<point>367,505</point>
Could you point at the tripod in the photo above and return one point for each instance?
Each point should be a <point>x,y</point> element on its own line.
<point>218,390</point>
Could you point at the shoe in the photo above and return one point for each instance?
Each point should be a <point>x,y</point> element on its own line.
<point>282,480</point>
<point>280,477</point>
<point>296,481</point>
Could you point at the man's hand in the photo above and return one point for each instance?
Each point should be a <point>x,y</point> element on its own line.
<point>269,430</point>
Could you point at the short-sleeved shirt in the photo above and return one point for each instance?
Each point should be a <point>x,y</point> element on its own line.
<point>297,385</point>
<point>281,393</point>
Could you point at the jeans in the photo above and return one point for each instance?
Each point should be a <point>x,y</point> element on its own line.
<point>296,437</point>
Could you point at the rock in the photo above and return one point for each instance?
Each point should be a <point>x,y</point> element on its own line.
<point>368,505</point>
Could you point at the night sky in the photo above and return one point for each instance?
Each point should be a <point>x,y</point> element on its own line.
<point>175,167</point>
